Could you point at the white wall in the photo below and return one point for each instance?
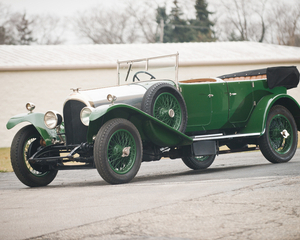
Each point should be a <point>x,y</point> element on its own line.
<point>46,89</point>
<point>49,89</point>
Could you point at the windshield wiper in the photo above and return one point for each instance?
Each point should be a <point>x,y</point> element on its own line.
<point>128,72</point>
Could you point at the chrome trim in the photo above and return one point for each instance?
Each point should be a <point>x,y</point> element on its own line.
<point>57,119</point>
<point>146,65</point>
<point>111,98</point>
<point>30,106</point>
<point>131,94</point>
<point>221,136</point>
<point>75,89</point>
<point>79,97</point>
<point>209,135</point>
<point>87,115</point>
<point>149,58</point>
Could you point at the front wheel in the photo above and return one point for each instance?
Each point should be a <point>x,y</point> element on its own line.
<point>200,162</point>
<point>279,142</point>
<point>24,145</point>
<point>118,151</point>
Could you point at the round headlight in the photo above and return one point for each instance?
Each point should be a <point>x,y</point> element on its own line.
<point>85,115</point>
<point>52,119</point>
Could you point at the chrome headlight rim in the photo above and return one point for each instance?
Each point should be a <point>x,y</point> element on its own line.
<point>52,119</point>
<point>30,106</point>
<point>85,115</point>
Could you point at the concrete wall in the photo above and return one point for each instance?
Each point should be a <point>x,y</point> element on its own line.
<point>46,89</point>
<point>49,89</point>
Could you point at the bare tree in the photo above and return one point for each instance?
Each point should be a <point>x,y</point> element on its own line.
<point>48,30</point>
<point>284,19</point>
<point>23,28</point>
<point>7,35</point>
<point>242,20</point>
<point>106,27</point>
<point>144,15</point>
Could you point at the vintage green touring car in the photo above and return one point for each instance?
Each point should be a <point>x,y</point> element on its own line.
<point>148,116</point>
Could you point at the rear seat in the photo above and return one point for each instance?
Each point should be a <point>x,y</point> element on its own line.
<point>200,80</point>
<point>264,76</point>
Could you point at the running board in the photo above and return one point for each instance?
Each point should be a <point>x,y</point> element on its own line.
<point>222,136</point>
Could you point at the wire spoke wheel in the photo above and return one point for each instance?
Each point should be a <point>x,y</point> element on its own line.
<point>121,151</point>
<point>118,151</point>
<point>29,149</point>
<point>167,109</point>
<point>279,142</point>
<point>280,134</point>
<point>25,143</point>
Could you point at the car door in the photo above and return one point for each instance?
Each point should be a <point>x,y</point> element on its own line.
<point>219,96</point>
<point>241,102</point>
<point>199,103</point>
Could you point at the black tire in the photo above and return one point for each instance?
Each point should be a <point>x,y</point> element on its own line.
<point>112,166</point>
<point>277,145</point>
<point>197,163</point>
<point>24,145</point>
<point>173,113</point>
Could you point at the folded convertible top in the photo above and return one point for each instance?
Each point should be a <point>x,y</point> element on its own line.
<point>276,76</point>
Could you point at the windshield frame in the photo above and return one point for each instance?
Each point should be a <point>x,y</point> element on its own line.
<point>130,63</point>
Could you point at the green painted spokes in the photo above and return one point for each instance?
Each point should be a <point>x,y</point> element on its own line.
<point>121,151</point>
<point>167,109</point>
<point>280,134</point>
<point>26,153</point>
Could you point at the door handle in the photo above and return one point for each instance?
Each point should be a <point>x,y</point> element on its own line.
<point>232,94</point>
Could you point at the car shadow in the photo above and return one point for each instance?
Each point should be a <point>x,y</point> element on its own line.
<point>205,174</point>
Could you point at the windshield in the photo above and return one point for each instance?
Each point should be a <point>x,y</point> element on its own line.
<point>162,67</point>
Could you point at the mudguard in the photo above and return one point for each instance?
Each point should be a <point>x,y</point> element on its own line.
<point>258,119</point>
<point>149,127</point>
<point>37,120</point>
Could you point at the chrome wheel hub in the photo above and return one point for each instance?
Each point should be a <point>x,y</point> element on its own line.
<point>285,133</point>
<point>171,113</point>
<point>126,151</point>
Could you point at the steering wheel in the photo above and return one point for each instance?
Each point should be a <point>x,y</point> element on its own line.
<point>136,77</point>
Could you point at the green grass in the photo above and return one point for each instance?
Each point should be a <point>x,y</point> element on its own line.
<point>5,165</point>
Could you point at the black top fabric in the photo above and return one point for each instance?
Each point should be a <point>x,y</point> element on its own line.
<point>282,77</point>
<point>245,74</point>
<point>276,76</point>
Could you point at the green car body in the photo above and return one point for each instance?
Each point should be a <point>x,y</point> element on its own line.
<point>244,112</point>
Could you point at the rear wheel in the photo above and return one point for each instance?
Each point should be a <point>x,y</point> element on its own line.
<point>279,142</point>
<point>164,102</point>
<point>24,145</point>
<point>200,162</point>
<point>118,151</point>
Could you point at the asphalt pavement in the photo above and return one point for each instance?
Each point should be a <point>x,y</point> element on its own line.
<point>241,196</point>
